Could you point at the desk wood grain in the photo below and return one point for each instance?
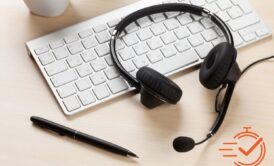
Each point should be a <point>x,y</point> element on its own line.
<point>123,120</point>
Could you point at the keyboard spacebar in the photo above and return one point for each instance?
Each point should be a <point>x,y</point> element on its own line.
<point>176,62</point>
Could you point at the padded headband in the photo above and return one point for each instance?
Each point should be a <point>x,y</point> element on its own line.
<point>170,7</point>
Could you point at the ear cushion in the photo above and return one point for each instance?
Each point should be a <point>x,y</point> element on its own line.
<point>159,85</point>
<point>217,64</point>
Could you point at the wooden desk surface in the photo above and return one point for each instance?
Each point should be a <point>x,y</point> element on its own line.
<point>123,121</point>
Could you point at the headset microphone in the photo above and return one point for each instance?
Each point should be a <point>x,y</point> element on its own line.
<point>185,144</point>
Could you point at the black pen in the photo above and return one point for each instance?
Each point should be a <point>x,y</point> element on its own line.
<point>77,135</point>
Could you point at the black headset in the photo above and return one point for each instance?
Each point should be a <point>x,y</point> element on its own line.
<point>219,69</point>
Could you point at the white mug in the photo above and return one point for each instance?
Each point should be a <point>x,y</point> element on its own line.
<point>47,8</point>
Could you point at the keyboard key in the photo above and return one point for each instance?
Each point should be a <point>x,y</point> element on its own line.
<point>203,50</point>
<point>56,67</point>
<point>71,38</point>
<point>196,17</point>
<point>56,44</point>
<point>182,45</point>
<point>197,2</point>
<point>141,48</point>
<point>131,28</point>
<point>98,64</point>
<point>101,92</point>
<point>245,6</point>
<point>119,44</point>
<point>111,73</point>
<point>41,50</point>
<point>127,54</point>
<point>210,1</point>
<point>99,28</point>
<point>235,2</point>
<point>171,24</point>
<point>195,27</point>
<point>168,38</point>
<point>219,31</point>
<point>123,33</point>
<point>170,1</point>
<point>209,35</point>
<point>235,12</point>
<point>74,61</point>
<point>249,37</point>
<point>196,40</point>
<point>102,49</point>
<point>178,61</point>
<point>171,14</point>
<point>181,33</point>
<point>109,60</point>
<point>158,17</point>
<point>184,19</point>
<point>262,32</point>
<point>158,29</point>
<point>111,30</point>
<point>85,33</point>
<point>66,90</point>
<point>117,85</point>
<point>89,42</point>
<point>98,78</point>
<point>88,55</point>
<point>155,56</point>
<point>86,97</point>
<point>84,70</point>
<point>144,34</point>
<point>113,23</point>
<point>128,66</point>
<point>168,51</point>
<point>154,43</point>
<point>237,39</point>
<point>130,39</point>
<point>243,21</point>
<point>207,23</point>
<point>46,58</point>
<point>144,22</point>
<point>224,4</point>
<point>224,16</point>
<point>103,37</point>
<point>60,53</point>
<point>140,61</point>
<point>184,1</point>
<point>71,103</point>
<point>63,78</point>
<point>212,7</point>
<point>75,47</point>
<point>83,84</point>
<point>220,40</point>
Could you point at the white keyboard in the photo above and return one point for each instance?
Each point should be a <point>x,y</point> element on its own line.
<point>77,66</point>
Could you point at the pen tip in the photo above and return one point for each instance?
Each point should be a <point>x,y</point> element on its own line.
<point>132,154</point>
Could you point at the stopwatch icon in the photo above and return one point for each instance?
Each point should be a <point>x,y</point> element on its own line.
<point>247,148</point>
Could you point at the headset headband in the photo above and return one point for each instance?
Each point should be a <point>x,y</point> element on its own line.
<point>170,7</point>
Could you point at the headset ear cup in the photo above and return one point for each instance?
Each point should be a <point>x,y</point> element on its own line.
<point>217,65</point>
<point>159,85</point>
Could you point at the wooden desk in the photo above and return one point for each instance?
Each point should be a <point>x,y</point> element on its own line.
<point>123,120</point>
